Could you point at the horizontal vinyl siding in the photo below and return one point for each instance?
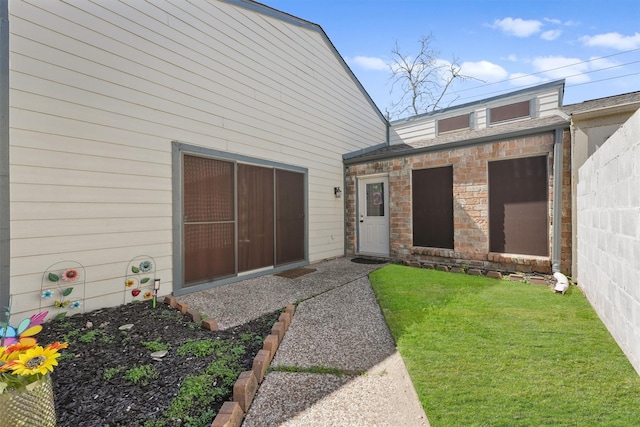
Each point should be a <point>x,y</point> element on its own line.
<point>99,91</point>
<point>413,131</point>
<point>548,104</point>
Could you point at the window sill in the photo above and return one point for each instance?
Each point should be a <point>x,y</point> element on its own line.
<point>439,252</point>
<point>538,263</point>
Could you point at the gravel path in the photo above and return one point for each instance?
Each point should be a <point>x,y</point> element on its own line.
<point>339,325</point>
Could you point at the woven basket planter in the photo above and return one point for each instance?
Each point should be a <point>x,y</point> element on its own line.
<point>30,406</point>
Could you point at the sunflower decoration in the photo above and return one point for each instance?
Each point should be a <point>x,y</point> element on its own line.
<point>22,360</point>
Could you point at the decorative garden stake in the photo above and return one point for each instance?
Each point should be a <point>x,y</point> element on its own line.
<point>140,278</point>
<point>26,390</point>
<point>62,287</point>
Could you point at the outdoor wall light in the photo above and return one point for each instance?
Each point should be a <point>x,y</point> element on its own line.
<point>337,191</point>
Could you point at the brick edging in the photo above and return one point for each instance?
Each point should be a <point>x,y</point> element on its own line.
<point>531,278</point>
<point>245,388</point>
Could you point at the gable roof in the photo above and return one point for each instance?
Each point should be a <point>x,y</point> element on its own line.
<point>294,20</point>
<point>625,101</point>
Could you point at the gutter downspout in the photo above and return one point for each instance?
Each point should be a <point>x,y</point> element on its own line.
<point>557,200</point>
<point>5,257</point>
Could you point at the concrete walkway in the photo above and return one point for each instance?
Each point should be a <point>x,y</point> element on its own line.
<point>338,326</point>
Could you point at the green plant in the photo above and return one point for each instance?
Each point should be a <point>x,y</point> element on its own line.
<point>156,345</point>
<point>70,336</point>
<point>199,348</point>
<point>486,352</point>
<point>248,338</point>
<point>65,324</point>
<point>112,372</point>
<point>141,374</point>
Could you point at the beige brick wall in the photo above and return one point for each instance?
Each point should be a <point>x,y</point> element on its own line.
<point>470,194</point>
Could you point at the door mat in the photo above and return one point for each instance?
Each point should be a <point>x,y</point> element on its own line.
<point>368,261</point>
<point>295,272</point>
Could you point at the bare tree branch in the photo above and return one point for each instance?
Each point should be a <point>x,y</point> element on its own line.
<point>421,79</point>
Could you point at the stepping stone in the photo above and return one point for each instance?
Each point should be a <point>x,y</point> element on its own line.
<point>158,355</point>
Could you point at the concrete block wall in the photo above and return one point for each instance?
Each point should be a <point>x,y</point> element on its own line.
<point>471,205</point>
<point>608,236</point>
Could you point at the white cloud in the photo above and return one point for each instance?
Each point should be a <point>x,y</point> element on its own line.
<point>598,63</point>
<point>512,58</point>
<point>517,27</point>
<point>522,79</point>
<point>484,70</point>
<point>550,35</point>
<point>370,63</point>
<point>560,67</point>
<point>612,40</point>
<point>555,21</point>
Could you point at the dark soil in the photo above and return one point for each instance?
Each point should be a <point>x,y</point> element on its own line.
<point>95,386</point>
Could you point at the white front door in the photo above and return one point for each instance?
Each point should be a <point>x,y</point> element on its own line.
<point>373,216</point>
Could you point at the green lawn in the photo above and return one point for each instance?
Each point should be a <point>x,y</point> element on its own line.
<point>487,352</point>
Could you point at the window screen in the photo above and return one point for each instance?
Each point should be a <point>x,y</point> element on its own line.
<point>432,198</point>
<point>518,206</point>
<point>510,112</point>
<point>454,123</point>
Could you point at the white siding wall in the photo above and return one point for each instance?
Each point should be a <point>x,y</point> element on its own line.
<point>99,91</point>
<point>548,103</point>
<point>609,235</point>
<point>412,130</point>
<point>421,128</point>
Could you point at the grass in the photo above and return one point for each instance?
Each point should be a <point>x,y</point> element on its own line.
<point>486,352</point>
<point>315,370</point>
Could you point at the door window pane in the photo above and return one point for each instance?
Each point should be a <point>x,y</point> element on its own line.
<point>375,199</point>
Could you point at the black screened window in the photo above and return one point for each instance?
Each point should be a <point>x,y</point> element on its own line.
<point>454,123</point>
<point>432,198</point>
<point>518,110</point>
<point>518,206</point>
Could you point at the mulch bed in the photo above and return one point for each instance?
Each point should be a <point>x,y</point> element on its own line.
<point>86,397</point>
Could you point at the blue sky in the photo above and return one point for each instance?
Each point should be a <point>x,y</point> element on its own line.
<point>509,44</point>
